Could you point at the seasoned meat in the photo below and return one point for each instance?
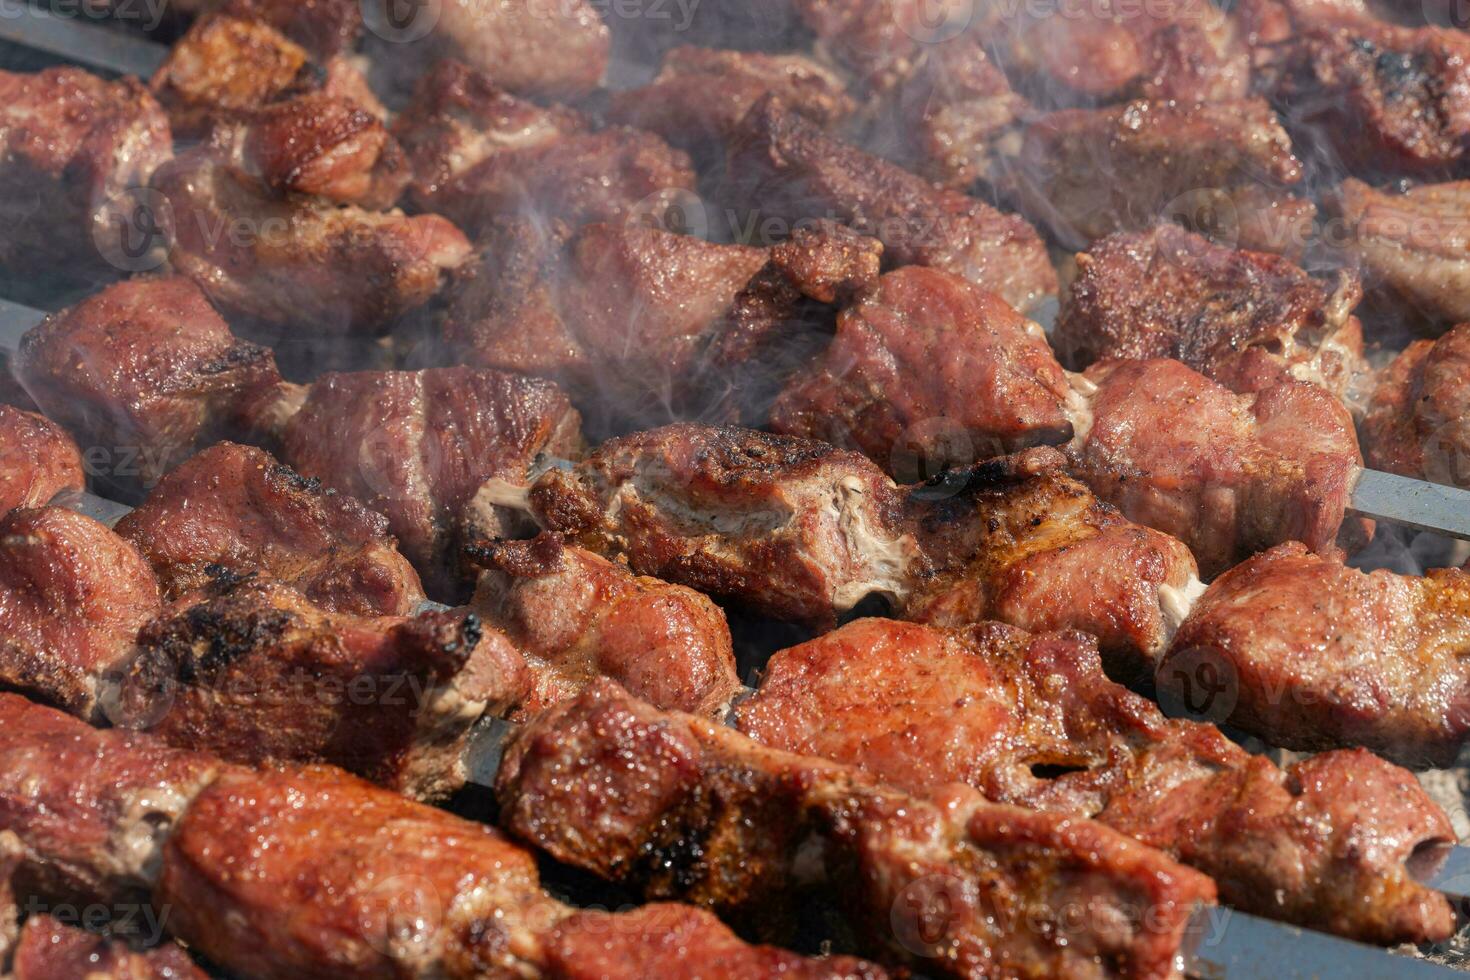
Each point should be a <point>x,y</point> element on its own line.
<point>233,512</point>
<point>72,598</point>
<point>1224,168</point>
<point>299,264</point>
<point>929,371</point>
<point>257,674</point>
<point>324,27</point>
<point>74,150</point>
<point>784,167</point>
<point>91,808</point>
<point>1245,319</point>
<point>1031,720</point>
<point>1230,475</point>
<point>1411,246</point>
<point>38,460</point>
<point>52,950</point>
<point>676,806</point>
<point>417,446</point>
<point>1418,422</point>
<point>479,153</point>
<point>576,616</point>
<point>144,373</point>
<point>554,49</point>
<point>1318,655</point>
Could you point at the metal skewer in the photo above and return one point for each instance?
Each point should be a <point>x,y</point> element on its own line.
<point>76,40</point>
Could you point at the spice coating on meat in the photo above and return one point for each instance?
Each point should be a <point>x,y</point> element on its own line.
<point>38,460</point>
<point>1031,720</point>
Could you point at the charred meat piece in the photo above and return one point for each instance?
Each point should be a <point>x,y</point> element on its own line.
<point>72,598</point>
<point>1412,245</point>
<point>1230,475</point>
<point>299,264</point>
<point>259,675</point>
<point>233,512</point>
<point>576,616</point>
<point>929,371</point>
<point>417,446</point>
<point>1317,655</point>
<point>1245,319</point>
<point>52,950</point>
<point>1226,169</point>
<point>1031,720</point>
<point>74,151</point>
<point>479,153</point>
<point>145,371</point>
<point>38,460</point>
<point>91,808</point>
<point>680,807</point>
<point>1418,422</point>
<point>784,167</point>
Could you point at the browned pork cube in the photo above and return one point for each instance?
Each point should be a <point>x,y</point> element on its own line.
<point>53,950</point>
<point>1418,421</point>
<point>38,460</point>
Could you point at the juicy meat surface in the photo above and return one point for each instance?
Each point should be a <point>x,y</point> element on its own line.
<point>233,512</point>
<point>1412,245</point>
<point>576,616</point>
<point>926,371</point>
<point>1319,655</point>
<point>38,460</point>
<point>1230,475</point>
<point>552,49</point>
<point>145,371</point>
<point>74,149</point>
<point>784,167</point>
<point>479,153</point>
<point>299,264</point>
<point>1245,319</point>
<point>91,807</point>
<point>1226,168</point>
<point>1032,720</point>
<point>679,807</point>
<point>52,950</point>
<point>73,596</point>
<point>1418,421</point>
<point>416,446</point>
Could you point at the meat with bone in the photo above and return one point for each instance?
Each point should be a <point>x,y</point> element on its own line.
<point>50,949</point>
<point>679,807</point>
<point>1411,245</point>
<point>417,446</point>
<point>74,151</point>
<point>38,460</point>
<point>1245,319</point>
<point>72,597</point>
<point>926,371</point>
<point>1224,168</point>
<point>257,674</point>
<point>784,167</point>
<point>1031,720</point>
<point>1230,475</point>
<point>147,372</point>
<point>479,153</point>
<point>1312,654</point>
<point>1418,422</point>
<point>233,512</point>
<point>298,264</point>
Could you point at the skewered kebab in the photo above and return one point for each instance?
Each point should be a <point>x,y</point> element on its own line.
<point>1418,422</point>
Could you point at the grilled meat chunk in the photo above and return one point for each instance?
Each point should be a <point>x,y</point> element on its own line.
<point>147,373</point>
<point>1225,169</point>
<point>299,264</point>
<point>1230,475</point>
<point>550,49</point>
<point>1418,422</point>
<point>91,808</point>
<point>479,153</point>
<point>417,446</point>
<point>929,371</point>
<point>1245,319</point>
<point>784,167</point>
<point>576,616</point>
<point>1318,655</point>
<point>11,855</point>
<point>233,512</point>
<point>38,460</point>
<point>72,598</point>
<point>677,806</point>
<point>52,950</point>
<point>1031,720</point>
<point>74,150</point>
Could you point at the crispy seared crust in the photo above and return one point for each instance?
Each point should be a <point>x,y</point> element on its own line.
<point>38,460</point>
